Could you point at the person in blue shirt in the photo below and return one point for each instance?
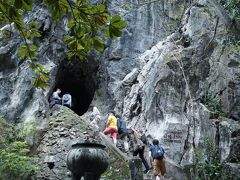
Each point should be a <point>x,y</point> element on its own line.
<point>157,159</point>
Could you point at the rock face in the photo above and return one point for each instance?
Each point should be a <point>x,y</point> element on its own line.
<point>18,97</point>
<point>173,74</point>
<point>181,87</point>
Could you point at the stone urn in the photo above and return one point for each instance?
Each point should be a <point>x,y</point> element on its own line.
<point>88,160</point>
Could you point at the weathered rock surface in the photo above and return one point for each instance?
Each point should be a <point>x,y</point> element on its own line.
<point>18,97</point>
<point>176,89</point>
<point>66,128</point>
<point>233,170</point>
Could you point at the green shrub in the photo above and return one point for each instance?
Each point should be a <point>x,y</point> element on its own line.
<point>25,130</point>
<point>15,164</point>
<point>6,131</point>
<point>207,164</point>
<point>214,105</point>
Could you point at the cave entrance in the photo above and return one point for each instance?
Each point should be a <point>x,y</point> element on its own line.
<point>78,78</point>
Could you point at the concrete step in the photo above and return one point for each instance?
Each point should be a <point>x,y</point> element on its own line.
<point>148,177</point>
<point>113,148</point>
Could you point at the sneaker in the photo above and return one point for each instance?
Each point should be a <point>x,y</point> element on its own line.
<point>146,171</point>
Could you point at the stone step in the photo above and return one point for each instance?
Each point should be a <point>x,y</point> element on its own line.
<point>113,148</point>
<point>147,176</point>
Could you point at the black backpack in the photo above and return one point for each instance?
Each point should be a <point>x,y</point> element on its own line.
<point>144,139</point>
<point>121,125</point>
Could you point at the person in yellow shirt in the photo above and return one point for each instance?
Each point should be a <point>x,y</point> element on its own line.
<point>111,127</point>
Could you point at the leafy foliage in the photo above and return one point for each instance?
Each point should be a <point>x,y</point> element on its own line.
<point>214,105</point>
<point>25,130</point>
<point>7,130</point>
<point>86,22</point>
<point>207,163</point>
<point>232,7</point>
<point>15,162</point>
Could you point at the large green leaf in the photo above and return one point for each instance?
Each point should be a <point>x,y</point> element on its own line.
<point>33,25</point>
<point>79,46</point>
<point>67,38</point>
<point>99,44</point>
<point>107,32</point>
<point>71,24</point>
<point>18,4</point>
<point>119,24</point>
<point>37,34</point>
<point>114,32</point>
<point>22,51</point>
<point>33,47</point>
<point>56,13</point>
<point>101,8</point>
<point>27,4</point>
<point>64,6</point>
<point>72,43</point>
<point>115,19</point>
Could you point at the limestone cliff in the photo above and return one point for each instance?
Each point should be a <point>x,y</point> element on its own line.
<point>184,87</point>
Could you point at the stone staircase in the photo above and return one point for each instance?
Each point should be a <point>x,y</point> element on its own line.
<point>114,149</point>
<point>148,176</point>
<point>126,158</point>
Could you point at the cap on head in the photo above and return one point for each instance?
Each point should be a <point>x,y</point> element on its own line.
<point>118,116</point>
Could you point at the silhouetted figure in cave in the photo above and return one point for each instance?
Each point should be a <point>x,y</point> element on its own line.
<point>55,98</point>
<point>67,100</point>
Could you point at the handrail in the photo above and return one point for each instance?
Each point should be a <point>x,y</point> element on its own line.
<point>113,148</point>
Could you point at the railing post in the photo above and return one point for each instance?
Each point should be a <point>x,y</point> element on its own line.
<point>135,166</point>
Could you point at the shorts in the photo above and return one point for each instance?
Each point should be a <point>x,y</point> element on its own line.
<point>111,131</point>
<point>158,167</point>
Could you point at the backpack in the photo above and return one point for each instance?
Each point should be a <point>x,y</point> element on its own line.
<point>121,125</point>
<point>144,139</point>
<point>157,152</point>
<point>119,122</point>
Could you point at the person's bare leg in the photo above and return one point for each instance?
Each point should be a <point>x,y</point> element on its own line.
<point>115,141</point>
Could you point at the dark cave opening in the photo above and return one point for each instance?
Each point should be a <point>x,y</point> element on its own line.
<point>78,78</point>
<point>50,165</point>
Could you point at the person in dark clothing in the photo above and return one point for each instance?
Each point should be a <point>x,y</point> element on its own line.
<point>121,125</point>
<point>137,147</point>
<point>55,98</point>
<point>143,138</point>
<point>122,134</point>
